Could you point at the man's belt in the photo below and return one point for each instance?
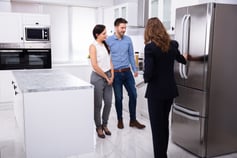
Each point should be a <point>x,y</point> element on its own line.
<point>122,70</point>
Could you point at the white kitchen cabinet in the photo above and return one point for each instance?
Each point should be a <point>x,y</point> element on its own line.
<point>36,19</point>
<point>12,25</point>
<point>164,10</point>
<point>6,90</point>
<point>127,11</point>
<point>109,20</point>
<point>11,29</point>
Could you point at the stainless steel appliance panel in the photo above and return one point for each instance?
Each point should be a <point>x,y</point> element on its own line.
<point>195,69</point>
<point>188,131</point>
<point>192,99</point>
<point>215,96</point>
<point>222,130</point>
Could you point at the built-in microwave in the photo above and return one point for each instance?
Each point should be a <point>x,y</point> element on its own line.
<point>37,33</point>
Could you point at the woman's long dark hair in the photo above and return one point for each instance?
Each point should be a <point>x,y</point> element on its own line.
<point>98,29</point>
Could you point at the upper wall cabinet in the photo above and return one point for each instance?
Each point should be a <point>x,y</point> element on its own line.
<point>127,11</point>
<point>163,10</point>
<point>36,19</point>
<point>11,28</point>
<point>12,25</point>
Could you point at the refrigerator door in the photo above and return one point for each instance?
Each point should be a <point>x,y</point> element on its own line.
<point>194,36</point>
<point>196,68</point>
<point>188,131</point>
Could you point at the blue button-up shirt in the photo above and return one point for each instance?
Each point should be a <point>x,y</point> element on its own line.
<point>121,51</point>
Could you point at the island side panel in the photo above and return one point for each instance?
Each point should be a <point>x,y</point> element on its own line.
<point>58,123</point>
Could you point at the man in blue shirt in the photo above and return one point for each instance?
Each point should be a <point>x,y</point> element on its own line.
<point>122,54</point>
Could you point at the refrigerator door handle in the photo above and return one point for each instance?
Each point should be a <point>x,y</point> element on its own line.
<point>186,34</point>
<point>182,44</point>
<point>181,70</point>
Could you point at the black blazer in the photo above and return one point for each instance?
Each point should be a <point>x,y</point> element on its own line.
<point>159,71</point>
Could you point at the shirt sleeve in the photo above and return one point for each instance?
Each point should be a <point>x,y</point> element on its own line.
<point>131,57</point>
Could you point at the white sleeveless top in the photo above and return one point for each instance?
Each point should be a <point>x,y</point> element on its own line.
<point>103,57</point>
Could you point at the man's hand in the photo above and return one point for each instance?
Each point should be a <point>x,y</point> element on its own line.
<point>135,74</point>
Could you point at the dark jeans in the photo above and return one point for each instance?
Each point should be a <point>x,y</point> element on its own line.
<point>159,118</point>
<point>125,78</point>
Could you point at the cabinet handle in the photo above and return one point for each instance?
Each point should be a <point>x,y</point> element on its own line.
<point>14,86</point>
<point>16,92</point>
<point>13,82</point>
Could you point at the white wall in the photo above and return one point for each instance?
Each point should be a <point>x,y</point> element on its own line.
<point>83,21</point>
<point>59,31</point>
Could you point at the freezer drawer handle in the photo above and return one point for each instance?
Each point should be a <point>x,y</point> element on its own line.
<point>191,112</point>
<point>185,115</point>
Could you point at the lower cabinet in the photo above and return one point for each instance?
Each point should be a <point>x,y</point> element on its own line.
<point>6,90</point>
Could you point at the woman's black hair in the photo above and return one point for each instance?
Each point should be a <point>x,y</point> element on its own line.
<point>98,29</point>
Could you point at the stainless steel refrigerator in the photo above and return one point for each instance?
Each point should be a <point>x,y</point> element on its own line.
<point>204,115</point>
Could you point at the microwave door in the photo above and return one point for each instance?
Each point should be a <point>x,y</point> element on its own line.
<point>33,34</point>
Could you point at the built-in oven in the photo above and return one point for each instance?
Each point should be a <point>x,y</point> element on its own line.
<point>38,58</point>
<point>11,59</point>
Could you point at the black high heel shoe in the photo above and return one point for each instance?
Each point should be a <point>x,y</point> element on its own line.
<point>106,130</point>
<point>100,132</point>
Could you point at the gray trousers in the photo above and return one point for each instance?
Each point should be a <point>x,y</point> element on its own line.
<point>102,93</point>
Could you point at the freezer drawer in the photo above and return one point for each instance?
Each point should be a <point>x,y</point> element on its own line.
<point>188,132</point>
<point>192,99</point>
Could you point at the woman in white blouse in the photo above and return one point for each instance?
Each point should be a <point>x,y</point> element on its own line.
<point>102,78</point>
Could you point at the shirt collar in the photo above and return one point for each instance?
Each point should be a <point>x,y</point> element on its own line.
<point>116,38</point>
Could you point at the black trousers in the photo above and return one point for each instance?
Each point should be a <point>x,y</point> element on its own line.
<point>159,119</point>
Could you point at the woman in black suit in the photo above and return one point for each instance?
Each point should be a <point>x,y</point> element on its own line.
<point>160,54</point>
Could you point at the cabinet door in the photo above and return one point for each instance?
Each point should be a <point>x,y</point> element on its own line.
<point>6,90</point>
<point>127,11</point>
<point>162,10</point>
<point>36,19</point>
<point>11,28</point>
<point>109,19</point>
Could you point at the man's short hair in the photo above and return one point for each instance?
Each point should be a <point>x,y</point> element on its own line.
<point>119,21</point>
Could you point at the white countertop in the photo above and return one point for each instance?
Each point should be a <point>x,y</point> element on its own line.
<point>38,80</point>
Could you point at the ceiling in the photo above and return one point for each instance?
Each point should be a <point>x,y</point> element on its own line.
<point>89,3</point>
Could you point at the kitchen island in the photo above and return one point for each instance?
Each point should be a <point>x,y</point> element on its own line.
<point>54,113</point>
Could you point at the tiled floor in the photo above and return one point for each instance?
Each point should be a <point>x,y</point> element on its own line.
<point>126,143</point>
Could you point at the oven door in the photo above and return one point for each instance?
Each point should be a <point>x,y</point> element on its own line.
<point>38,58</point>
<point>11,59</point>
